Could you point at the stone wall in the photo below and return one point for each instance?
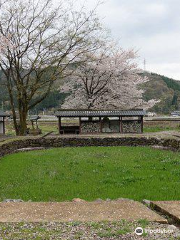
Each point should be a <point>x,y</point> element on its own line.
<point>131,126</point>
<point>52,142</point>
<point>111,126</point>
<point>90,127</point>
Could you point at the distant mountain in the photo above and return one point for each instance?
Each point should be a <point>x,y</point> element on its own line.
<point>159,87</point>
<point>162,88</point>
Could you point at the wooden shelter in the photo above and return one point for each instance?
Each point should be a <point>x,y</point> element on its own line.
<point>102,121</point>
<point>34,121</point>
<point>35,128</point>
<point>3,115</point>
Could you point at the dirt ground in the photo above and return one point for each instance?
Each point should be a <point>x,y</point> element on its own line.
<point>76,211</point>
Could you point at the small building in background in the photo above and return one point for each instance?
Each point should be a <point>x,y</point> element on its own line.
<point>35,128</point>
<point>3,115</point>
<point>101,121</point>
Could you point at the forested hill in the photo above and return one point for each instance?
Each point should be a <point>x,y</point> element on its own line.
<point>159,87</point>
<point>165,89</point>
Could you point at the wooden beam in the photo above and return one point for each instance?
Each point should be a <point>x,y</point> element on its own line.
<point>4,130</point>
<point>59,120</point>
<point>79,125</point>
<point>120,125</point>
<point>142,124</point>
<point>100,119</point>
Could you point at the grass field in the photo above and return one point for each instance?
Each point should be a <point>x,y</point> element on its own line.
<point>90,173</point>
<point>44,126</point>
<point>53,126</point>
<point>155,128</point>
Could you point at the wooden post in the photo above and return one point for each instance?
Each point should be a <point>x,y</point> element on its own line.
<point>4,130</point>
<point>36,124</point>
<point>32,124</point>
<point>120,125</point>
<point>59,118</point>
<point>100,119</point>
<point>79,125</point>
<point>142,125</point>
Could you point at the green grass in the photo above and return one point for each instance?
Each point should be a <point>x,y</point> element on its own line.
<point>160,129</point>
<point>46,127</point>
<point>69,230</point>
<point>90,173</point>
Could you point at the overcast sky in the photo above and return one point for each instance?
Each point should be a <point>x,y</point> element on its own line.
<point>151,26</point>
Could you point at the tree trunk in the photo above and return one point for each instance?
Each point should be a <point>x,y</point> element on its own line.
<point>22,123</point>
<point>15,122</point>
<point>91,105</point>
<point>13,108</point>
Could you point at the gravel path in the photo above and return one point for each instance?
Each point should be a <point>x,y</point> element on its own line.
<point>78,210</point>
<point>86,231</point>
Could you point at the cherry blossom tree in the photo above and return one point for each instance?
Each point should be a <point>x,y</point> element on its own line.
<point>109,79</point>
<point>43,40</point>
<point>4,40</point>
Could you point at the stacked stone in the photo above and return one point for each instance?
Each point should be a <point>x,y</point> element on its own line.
<point>34,142</point>
<point>90,127</point>
<point>131,127</point>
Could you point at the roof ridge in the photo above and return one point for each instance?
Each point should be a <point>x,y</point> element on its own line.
<point>95,110</point>
<point>99,113</point>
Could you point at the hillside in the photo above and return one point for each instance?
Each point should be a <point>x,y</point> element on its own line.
<point>165,89</point>
<point>159,87</point>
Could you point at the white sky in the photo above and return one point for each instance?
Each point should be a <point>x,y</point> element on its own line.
<point>150,26</point>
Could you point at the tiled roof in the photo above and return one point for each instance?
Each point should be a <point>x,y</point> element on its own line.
<point>3,114</point>
<point>34,118</point>
<point>100,113</point>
